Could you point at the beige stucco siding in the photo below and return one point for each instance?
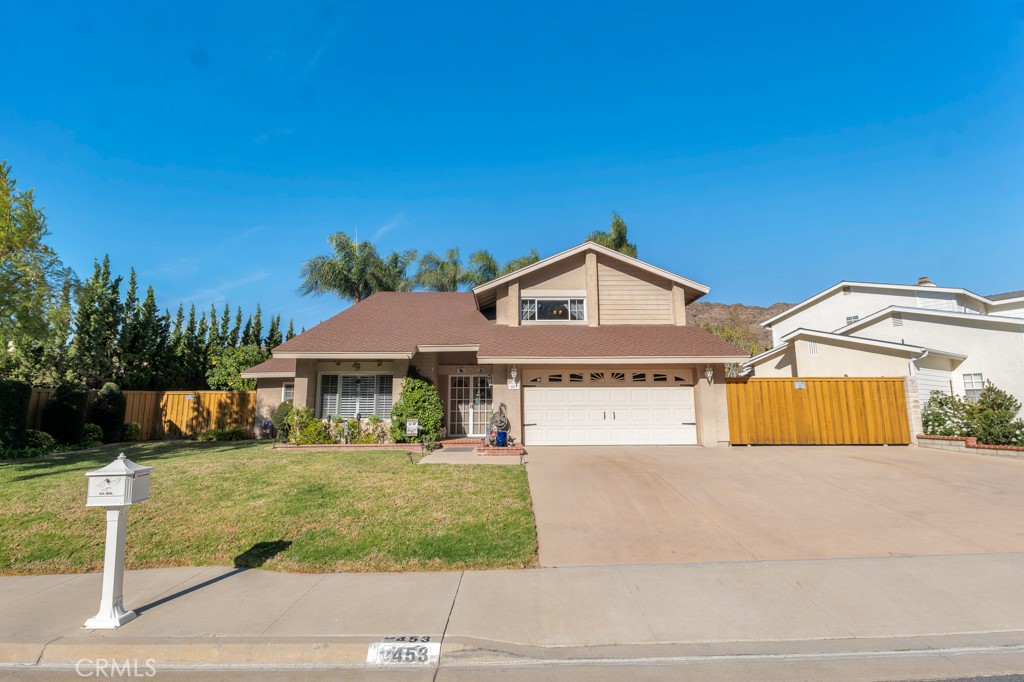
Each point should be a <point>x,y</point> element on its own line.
<point>835,359</point>
<point>781,365</point>
<point>629,295</point>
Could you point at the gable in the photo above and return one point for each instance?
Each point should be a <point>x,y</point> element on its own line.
<point>630,295</point>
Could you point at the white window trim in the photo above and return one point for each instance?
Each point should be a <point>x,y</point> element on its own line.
<point>586,311</point>
<point>360,372</point>
<point>287,383</point>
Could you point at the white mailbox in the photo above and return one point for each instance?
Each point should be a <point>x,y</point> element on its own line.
<point>120,483</point>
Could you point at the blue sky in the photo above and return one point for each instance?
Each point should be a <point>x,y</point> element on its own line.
<point>765,149</point>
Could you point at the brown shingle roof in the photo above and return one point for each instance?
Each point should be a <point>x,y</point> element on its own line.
<point>397,322</point>
<point>272,366</point>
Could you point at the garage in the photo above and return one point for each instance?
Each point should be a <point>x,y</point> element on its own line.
<point>609,407</point>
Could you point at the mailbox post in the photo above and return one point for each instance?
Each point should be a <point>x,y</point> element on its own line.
<point>115,487</point>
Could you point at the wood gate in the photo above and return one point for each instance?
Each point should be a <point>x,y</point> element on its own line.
<point>819,411</point>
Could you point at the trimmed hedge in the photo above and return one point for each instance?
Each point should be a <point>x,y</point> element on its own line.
<point>108,411</point>
<point>131,432</point>
<point>419,400</point>
<point>64,414</point>
<point>14,402</point>
<point>92,435</point>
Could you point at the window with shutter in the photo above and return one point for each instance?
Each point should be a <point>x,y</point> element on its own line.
<point>385,385</point>
<point>329,396</point>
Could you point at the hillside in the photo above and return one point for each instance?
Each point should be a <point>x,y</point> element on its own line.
<point>737,323</point>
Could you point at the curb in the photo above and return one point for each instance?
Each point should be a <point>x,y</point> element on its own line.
<point>350,651</point>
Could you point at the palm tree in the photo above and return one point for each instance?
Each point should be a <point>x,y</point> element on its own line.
<point>482,268</point>
<point>351,271</point>
<point>393,272</point>
<point>521,262</point>
<point>615,237</point>
<point>442,274</point>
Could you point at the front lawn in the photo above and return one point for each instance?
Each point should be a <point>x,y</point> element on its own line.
<point>245,504</point>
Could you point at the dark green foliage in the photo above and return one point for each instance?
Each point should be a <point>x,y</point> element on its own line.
<point>993,418</point>
<point>39,440</point>
<point>131,432</point>
<point>419,400</point>
<point>232,434</point>
<point>92,358</point>
<point>108,411</point>
<point>615,238</point>
<point>280,419</point>
<point>92,435</point>
<point>64,414</point>
<point>274,333</point>
<point>14,403</point>
<point>227,365</point>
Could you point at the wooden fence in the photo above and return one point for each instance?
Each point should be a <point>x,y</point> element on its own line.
<point>820,411</point>
<point>171,414</point>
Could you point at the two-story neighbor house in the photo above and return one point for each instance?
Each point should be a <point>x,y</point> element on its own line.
<point>585,347</point>
<point>948,339</point>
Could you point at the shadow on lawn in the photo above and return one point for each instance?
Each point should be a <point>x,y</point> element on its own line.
<point>141,453</point>
<point>254,557</point>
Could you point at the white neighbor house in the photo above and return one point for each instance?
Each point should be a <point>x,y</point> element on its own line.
<point>947,339</point>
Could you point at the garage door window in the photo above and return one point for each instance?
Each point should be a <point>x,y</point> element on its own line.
<point>609,378</point>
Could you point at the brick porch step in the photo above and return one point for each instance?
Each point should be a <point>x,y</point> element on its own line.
<point>515,451</point>
<point>456,442</point>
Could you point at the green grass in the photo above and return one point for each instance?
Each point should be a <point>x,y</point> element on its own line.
<point>245,504</point>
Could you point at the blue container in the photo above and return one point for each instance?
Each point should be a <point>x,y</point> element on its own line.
<point>501,439</point>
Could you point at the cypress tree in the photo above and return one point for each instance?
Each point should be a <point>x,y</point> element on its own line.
<point>236,331</point>
<point>257,327</point>
<point>291,331</point>
<point>274,333</point>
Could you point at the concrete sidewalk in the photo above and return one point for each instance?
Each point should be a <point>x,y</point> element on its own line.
<point>231,617</point>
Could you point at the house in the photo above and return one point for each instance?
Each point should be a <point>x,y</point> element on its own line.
<point>947,339</point>
<point>586,347</point>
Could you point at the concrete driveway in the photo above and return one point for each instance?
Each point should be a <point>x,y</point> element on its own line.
<point>620,505</point>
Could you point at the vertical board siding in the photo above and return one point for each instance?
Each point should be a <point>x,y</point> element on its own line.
<point>826,412</point>
<point>171,414</point>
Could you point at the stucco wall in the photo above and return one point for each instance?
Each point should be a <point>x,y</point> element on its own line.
<point>834,359</point>
<point>994,350</point>
<point>781,365</point>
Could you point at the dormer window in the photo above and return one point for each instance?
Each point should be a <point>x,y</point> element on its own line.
<point>553,310</point>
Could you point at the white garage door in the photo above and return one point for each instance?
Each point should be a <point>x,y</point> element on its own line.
<point>592,415</point>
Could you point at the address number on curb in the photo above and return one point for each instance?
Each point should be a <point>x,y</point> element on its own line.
<point>404,650</point>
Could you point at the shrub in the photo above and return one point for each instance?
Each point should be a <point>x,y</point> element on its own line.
<point>280,419</point>
<point>15,397</point>
<point>316,432</point>
<point>993,418</point>
<point>108,411</point>
<point>64,414</point>
<point>92,435</point>
<point>220,435</point>
<point>38,440</point>
<point>298,419</point>
<point>131,432</point>
<point>945,415</point>
<point>419,400</point>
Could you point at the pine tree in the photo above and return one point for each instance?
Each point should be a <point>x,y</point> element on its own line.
<point>257,327</point>
<point>274,333</point>
<point>236,331</point>
<point>291,331</point>
<point>213,340</point>
<point>246,339</point>
<point>94,354</point>
<point>225,327</point>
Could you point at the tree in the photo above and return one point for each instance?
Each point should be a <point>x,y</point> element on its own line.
<point>227,365</point>
<point>257,327</point>
<point>349,271</point>
<point>615,237</point>
<point>42,359</point>
<point>273,333</point>
<point>236,331</point>
<point>31,274</point>
<point>483,266</point>
<point>521,262</point>
<point>392,272</point>
<point>291,331</point>
<point>93,357</point>
<point>144,347</point>
<point>442,274</point>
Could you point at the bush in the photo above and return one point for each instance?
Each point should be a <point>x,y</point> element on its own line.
<point>419,400</point>
<point>15,397</point>
<point>92,435</point>
<point>945,415</point>
<point>316,432</point>
<point>108,411</point>
<point>131,432</point>
<point>38,440</point>
<point>64,414</point>
<point>993,418</point>
<point>280,419</point>
<point>221,435</point>
<point>298,418</point>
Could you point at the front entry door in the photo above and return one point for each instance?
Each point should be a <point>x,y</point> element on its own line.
<point>470,399</point>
